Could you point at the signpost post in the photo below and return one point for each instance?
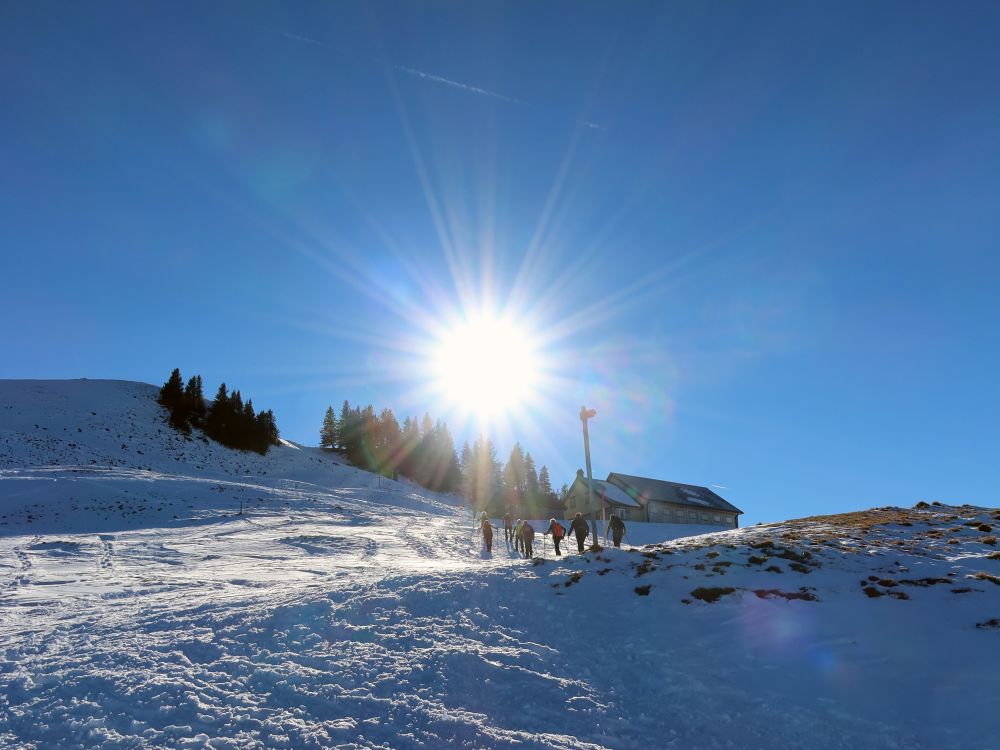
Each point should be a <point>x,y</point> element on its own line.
<point>586,414</point>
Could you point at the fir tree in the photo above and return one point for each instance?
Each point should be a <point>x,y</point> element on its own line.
<point>172,392</point>
<point>530,476</point>
<point>219,415</point>
<point>194,401</point>
<point>514,476</point>
<point>545,483</point>
<point>328,432</point>
<point>465,466</point>
<point>388,443</point>
<point>409,443</point>
<point>267,431</point>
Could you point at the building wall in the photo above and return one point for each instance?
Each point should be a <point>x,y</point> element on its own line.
<point>629,514</point>
<point>663,513</point>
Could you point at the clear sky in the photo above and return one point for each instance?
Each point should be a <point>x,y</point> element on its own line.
<point>762,239</point>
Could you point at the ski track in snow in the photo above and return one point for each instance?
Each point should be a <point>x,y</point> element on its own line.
<point>139,609</point>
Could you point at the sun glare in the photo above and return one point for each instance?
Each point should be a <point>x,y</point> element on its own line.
<point>486,366</point>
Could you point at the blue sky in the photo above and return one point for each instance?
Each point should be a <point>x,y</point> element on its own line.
<point>760,238</point>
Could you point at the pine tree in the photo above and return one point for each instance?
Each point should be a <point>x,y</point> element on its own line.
<point>219,415</point>
<point>172,391</point>
<point>409,445</point>
<point>267,431</point>
<point>328,432</point>
<point>194,401</point>
<point>346,428</point>
<point>388,445</point>
<point>545,483</point>
<point>484,474</point>
<point>514,476</point>
<point>465,466</point>
<point>530,476</point>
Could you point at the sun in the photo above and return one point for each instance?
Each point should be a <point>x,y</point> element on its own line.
<point>487,366</point>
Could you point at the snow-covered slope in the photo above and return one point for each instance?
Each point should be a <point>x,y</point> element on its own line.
<point>138,608</point>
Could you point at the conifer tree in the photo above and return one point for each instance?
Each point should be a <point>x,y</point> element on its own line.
<point>465,466</point>
<point>194,401</point>
<point>530,476</point>
<point>514,476</point>
<point>328,432</point>
<point>388,443</point>
<point>545,483</point>
<point>172,391</point>
<point>484,473</point>
<point>347,427</point>
<point>219,415</point>
<point>409,443</point>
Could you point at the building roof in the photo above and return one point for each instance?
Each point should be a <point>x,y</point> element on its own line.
<point>613,494</point>
<point>644,489</point>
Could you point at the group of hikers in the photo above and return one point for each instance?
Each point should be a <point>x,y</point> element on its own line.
<point>521,534</point>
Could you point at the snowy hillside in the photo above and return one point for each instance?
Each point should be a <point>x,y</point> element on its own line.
<point>138,608</point>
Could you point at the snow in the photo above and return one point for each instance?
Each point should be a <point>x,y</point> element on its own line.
<point>614,493</point>
<point>139,608</point>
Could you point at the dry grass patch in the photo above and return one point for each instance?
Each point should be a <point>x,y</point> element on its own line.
<point>983,576</point>
<point>712,594</point>
<point>864,520</point>
<point>923,581</point>
<point>803,594</point>
<point>644,568</point>
<point>575,578</point>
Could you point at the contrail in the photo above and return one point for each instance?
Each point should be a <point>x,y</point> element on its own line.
<point>413,71</point>
<point>456,84</point>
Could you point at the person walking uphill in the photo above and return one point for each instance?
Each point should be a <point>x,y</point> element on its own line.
<point>617,528</point>
<point>487,529</point>
<point>508,528</point>
<point>557,532</point>
<point>527,537</point>
<point>579,527</point>
<point>518,538</point>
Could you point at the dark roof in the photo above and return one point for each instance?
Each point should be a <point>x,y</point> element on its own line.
<point>644,489</point>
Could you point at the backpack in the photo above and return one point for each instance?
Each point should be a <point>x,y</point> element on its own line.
<point>557,531</point>
<point>527,532</point>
